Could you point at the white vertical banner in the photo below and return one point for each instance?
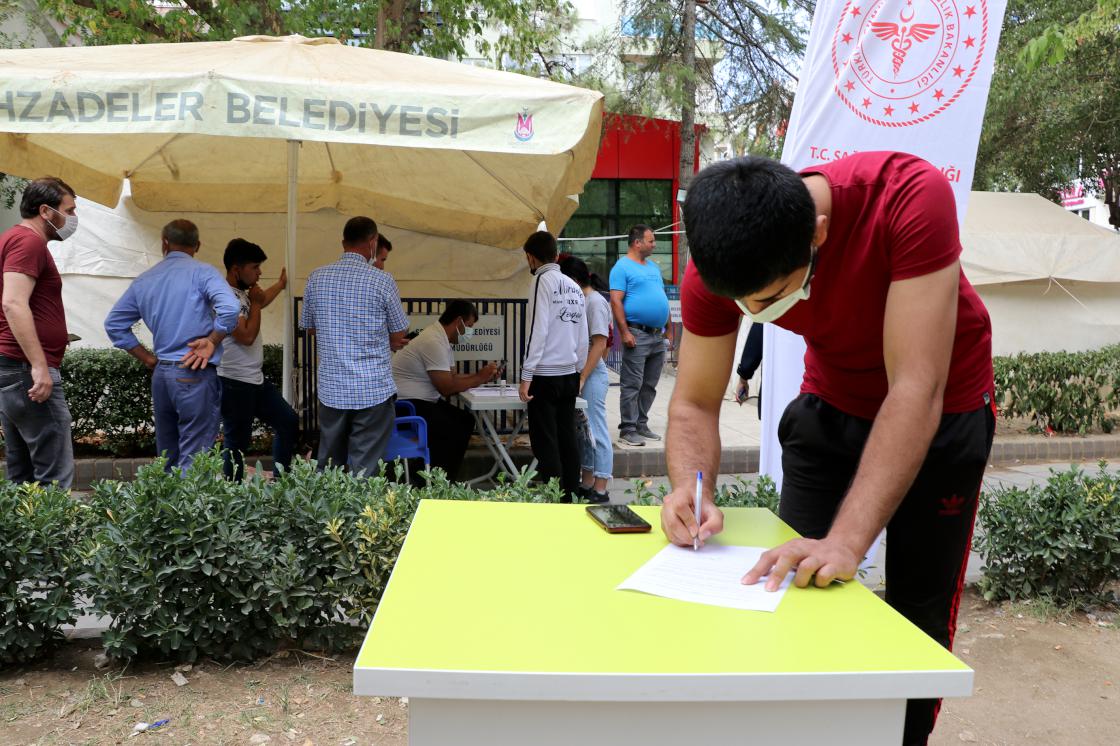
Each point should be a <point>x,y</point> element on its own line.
<point>905,75</point>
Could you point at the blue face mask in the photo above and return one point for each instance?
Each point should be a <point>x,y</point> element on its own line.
<point>466,333</point>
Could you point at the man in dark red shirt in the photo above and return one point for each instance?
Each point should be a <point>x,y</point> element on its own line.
<point>894,422</point>
<point>33,337</point>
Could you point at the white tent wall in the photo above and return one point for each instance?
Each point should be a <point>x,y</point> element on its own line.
<point>114,246</point>
<point>1038,316</point>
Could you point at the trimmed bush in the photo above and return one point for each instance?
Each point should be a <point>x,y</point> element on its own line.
<point>110,398</point>
<point>1067,392</point>
<point>40,565</point>
<point>195,566</point>
<point>762,493</point>
<point>1059,541</point>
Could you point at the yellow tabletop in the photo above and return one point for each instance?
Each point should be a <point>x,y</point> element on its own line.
<point>499,599</point>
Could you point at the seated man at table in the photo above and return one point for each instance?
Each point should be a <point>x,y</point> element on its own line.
<point>425,374</point>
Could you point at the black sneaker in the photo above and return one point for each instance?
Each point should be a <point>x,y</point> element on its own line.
<point>631,439</point>
<point>589,495</point>
<point>645,432</point>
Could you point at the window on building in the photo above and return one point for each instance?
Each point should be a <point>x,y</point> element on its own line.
<point>1084,213</point>
<point>608,207</point>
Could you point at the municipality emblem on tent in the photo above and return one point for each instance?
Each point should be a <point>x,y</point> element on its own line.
<point>899,63</point>
<point>523,130</point>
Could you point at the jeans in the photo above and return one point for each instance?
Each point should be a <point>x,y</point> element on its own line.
<point>928,536</point>
<point>599,458</point>
<point>355,437</point>
<point>641,370</point>
<point>552,430</point>
<point>188,411</point>
<point>36,434</point>
<point>241,404</point>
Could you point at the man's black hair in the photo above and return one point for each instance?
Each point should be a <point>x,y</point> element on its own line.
<point>750,221</point>
<point>47,190</point>
<point>459,309</point>
<point>240,252</point>
<point>358,229</point>
<point>383,243</point>
<point>637,233</point>
<point>576,268</point>
<point>541,245</point>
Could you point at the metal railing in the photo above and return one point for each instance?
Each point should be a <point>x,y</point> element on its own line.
<point>306,361</point>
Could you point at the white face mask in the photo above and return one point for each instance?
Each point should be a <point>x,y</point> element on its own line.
<point>467,333</point>
<point>778,308</point>
<point>69,227</point>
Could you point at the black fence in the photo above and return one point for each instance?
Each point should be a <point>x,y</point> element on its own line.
<point>511,349</point>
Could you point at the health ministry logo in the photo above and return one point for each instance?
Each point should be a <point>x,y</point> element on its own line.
<point>523,130</point>
<point>899,63</point>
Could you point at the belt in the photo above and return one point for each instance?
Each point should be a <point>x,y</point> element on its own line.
<point>644,328</point>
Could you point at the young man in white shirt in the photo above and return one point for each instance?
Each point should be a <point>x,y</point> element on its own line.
<point>425,374</point>
<point>246,395</point>
<point>554,356</point>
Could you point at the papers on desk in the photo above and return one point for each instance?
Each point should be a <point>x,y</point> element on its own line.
<point>494,391</point>
<point>709,575</point>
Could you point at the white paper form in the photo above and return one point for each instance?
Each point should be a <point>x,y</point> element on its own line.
<point>709,575</point>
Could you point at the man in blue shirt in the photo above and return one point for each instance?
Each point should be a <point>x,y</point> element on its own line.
<point>355,311</point>
<point>189,309</point>
<point>641,310</point>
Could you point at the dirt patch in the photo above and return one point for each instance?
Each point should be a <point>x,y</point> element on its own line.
<point>1041,678</point>
<point>290,699</point>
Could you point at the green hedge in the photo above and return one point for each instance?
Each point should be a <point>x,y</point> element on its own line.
<point>1069,392</point>
<point>40,567</point>
<point>109,393</point>
<point>1059,541</point>
<point>191,566</point>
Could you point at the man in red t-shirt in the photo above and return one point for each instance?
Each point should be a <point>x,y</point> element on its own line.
<point>33,337</point>
<point>894,422</point>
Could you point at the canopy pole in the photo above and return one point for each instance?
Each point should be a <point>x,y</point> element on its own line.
<point>288,390</point>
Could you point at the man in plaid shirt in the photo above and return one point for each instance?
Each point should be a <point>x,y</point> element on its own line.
<point>355,311</point>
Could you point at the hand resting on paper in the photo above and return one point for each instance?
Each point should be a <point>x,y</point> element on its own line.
<point>821,560</point>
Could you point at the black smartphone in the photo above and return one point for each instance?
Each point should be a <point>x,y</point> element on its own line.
<point>618,519</point>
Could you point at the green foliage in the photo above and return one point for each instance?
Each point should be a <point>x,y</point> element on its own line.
<point>1059,541</point>
<point>759,493</point>
<point>435,28</point>
<point>40,566</point>
<point>110,398</point>
<point>1072,392</point>
<point>192,566</point>
<point>1052,110</point>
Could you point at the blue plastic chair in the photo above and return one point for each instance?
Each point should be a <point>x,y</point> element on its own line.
<point>409,438</point>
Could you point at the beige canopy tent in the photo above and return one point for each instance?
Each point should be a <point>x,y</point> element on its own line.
<point>1050,279</point>
<point>275,125</point>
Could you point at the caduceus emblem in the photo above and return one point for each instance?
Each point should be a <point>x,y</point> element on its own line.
<point>903,35</point>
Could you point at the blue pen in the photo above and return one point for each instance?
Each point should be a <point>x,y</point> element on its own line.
<point>699,492</point>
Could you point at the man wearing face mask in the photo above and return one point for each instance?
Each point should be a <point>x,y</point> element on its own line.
<point>246,394</point>
<point>425,375</point>
<point>895,420</point>
<point>33,409</point>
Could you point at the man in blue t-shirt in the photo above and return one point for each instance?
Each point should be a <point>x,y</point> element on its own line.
<point>641,310</point>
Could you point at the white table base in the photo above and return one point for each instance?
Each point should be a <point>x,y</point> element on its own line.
<point>472,722</point>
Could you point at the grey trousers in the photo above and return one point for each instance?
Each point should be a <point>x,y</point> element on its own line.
<point>638,377</point>
<point>36,435</point>
<point>355,437</point>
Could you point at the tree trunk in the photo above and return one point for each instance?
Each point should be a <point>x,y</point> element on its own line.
<point>688,119</point>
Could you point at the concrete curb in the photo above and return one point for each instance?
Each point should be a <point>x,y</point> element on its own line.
<point>649,461</point>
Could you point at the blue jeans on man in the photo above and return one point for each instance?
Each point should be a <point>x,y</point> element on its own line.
<point>638,377</point>
<point>188,411</point>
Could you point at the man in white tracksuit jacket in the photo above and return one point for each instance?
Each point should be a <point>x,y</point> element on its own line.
<point>554,355</point>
